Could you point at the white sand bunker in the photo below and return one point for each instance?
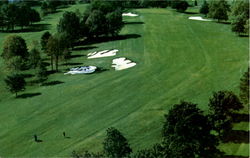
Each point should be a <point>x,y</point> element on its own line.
<point>198,18</point>
<point>129,14</point>
<point>104,53</point>
<point>81,70</point>
<point>122,63</point>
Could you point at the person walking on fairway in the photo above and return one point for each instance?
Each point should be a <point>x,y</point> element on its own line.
<point>35,138</point>
<point>64,134</point>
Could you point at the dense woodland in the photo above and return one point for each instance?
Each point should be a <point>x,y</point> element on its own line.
<point>103,19</point>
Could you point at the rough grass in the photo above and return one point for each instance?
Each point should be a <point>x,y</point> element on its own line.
<point>178,59</point>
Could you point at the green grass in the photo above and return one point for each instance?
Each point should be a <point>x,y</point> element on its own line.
<point>178,59</point>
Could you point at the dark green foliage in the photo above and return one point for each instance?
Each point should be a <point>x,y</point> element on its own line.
<point>155,152</point>
<point>41,72</point>
<point>115,145</point>
<point>87,154</point>
<point>14,46</point>
<point>12,15</point>
<point>34,58</point>
<point>218,9</point>
<point>179,5</point>
<point>238,24</point>
<point>102,18</point>
<point>221,107</point>
<point>15,83</point>
<point>187,133</point>
<point>204,8</point>
<point>15,64</point>
<point>240,16</point>
<point>44,39</point>
<point>69,24</point>
<point>244,87</point>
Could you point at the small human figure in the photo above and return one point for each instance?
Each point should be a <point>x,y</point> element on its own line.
<point>35,138</point>
<point>64,134</point>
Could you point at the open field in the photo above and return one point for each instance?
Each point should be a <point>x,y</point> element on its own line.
<point>177,59</point>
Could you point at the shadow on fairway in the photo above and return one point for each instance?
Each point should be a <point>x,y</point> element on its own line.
<point>84,48</point>
<point>52,83</point>
<point>76,56</point>
<point>133,23</point>
<point>39,141</point>
<point>28,75</point>
<point>237,136</point>
<point>28,95</point>
<point>100,70</point>
<point>190,13</point>
<point>71,64</point>
<point>108,39</point>
<point>235,156</point>
<point>240,118</point>
<point>31,28</point>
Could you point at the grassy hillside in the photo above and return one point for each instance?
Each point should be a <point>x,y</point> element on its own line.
<point>178,59</point>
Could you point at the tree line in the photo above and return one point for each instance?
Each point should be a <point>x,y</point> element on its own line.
<point>12,15</point>
<point>237,13</point>
<point>187,131</point>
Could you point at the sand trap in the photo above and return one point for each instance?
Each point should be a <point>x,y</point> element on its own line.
<point>101,54</point>
<point>122,63</point>
<point>129,14</point>
<point>81,70</point>
<point>198,18</point>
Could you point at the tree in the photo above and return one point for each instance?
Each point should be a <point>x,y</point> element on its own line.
<point>221,107</point>
<point>15,46</point>
<point>247,27</point>
<point>244,87</point>
<point>240,16</point>
<point>10,12</point>
<point>69,24</point>
<point>15,83</point>
<point>55,47</point>
<point>179,5</point>
<point>204,8</point>
<point>154,152</point>
<point>34,16</point>
<point>44,39</point>
<point>187,133</point>
<point>218,9</point>
<point>41,72</point>
<point>34,57</point>
<point>23,16</point>
<point>15,64</point>
<point>114,22</point>
<point>238,24</point>
<point>115,144</point>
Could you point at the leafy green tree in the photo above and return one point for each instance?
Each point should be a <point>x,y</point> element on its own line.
<point>15,64</point>
<point>114,22</point>
<point>115,144</point>
<point>34,57</point>
<point>204,8</point>
<point>15,83</point>
<point>179,5</point>
<point>246,26</point>
<point>14,46</point>
<point>10,12</point>
<point>34,16</point>
<point>221,107</point>
<point>69,24</point>
<point>155,152</point>
<point>41,72</point>
<point>187,133</point>
<point>238,24</point>
<point>244,87</point>
<point>87,154</point>
<point>218,9</point>
<point>55,47</point>
<point>23,16</point>
<point>44,39</point>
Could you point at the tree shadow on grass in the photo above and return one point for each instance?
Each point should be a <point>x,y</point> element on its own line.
<point>31,28</point>
<point>100,70</point>
<point>133,23</point>
<point>243,35</point>
<point>52,83</point>
<point>108,39</point>
<point>190,12</point>
<point>76,56</point>
<point>71,64</point>
<point>237,136</point>
<point>28,95</point>
<point>234,156</point>
<point>28,75</point>
<point>84,48</point>
<point>240,117</point>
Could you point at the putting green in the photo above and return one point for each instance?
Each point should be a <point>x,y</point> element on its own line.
<point>177,59</point>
